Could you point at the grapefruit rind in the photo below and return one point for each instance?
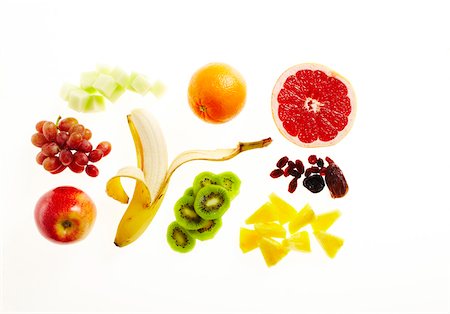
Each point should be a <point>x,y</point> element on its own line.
<point>312,66</point>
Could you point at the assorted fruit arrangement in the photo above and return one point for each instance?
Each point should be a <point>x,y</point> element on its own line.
<point>269,220</point>
<point>199,211</point>
<point>312,106</point>
<point>313,181</point>
<point>106,82</point>
<point>66,144</point>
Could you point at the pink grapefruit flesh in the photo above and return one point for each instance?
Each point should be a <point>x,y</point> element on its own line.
<point>313,106</point>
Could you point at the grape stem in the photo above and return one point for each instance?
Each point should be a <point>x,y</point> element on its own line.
<point>57,121</point>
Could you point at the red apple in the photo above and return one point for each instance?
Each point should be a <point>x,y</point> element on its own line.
<point>65,214</point>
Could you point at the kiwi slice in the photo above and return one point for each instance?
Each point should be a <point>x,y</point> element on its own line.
<point>179,238</point>
<point>211,202</point>
<point>208,231</point>
<point>231,182</point>
<point>189,192</point>
<point>185,214</point>
<point>204,179</point>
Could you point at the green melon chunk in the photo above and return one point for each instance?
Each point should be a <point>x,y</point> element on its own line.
<point>66,89</point>
<point>87,79</point>
<point>104,69</point>
<point>121,77</point>
<point>78,99</point>
<point>139,83</point>
<point>158,89</point>
<point>105,84</point>
<point>116,94</point>
<point>95,103</point>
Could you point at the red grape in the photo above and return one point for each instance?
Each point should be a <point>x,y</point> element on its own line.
<point>76,128</point>
<point>66,157</point>
<point>61,139</point>
<point>80,158</point>
<point>40,157</point>
<point>74,140</point>
<point>58,170</point>
<point>38,139</point>
<point>95,155</point>
<point>75,167</point>
<point>105,147</point>
<point>85,146</point>
<point>66,124</point>
<point>50,149</point>
<point>51,163</point>
<point>39,126</point>
<point>87,134</point>
<point>91,170</point>
<point>49,130</point>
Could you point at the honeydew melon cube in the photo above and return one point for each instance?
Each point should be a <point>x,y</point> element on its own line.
<point>105,84</point>
<point>117,93</point>
<point>87,79</point>
<point>66,89</point>
<point>95,103</point>
<point>139,83</point>
<point>78,99</point>
<point>104,69</point>
<point>158,89</point>
<point>121,77</point>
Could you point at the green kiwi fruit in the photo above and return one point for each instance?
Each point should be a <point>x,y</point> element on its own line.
<point>185,214</point>
<point>231,182</point>
<point>179,238</point>
<point>204,179</point>
<point>211,202</point>
<point>189,191</point>
<point>208,231</point>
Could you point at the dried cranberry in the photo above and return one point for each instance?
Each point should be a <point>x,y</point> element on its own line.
<point>308,172</point>
<point>295,173</point>
<point>299,166</point>
<point>323,171</point>
<point>314,169</point>
<point>335,180</point>
<point>320,162</point>
<point>314,183</point>
<point>292,185</point>
<point>312,159</point>
<point>287,170</point>
<point>276,173</point>
<point>282,162</point>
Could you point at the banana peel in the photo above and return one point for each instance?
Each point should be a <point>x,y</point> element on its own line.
<point>152,174</point>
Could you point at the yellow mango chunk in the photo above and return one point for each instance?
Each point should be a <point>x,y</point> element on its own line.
<point>265,213</point>
<point>248,240</point>
<point>272,251</point>
<point>298,241</point>
<point>325,220</point>
<point>285,211</point>
<point>302,218</point>
<point>270,229</point>
<point>330,243</point>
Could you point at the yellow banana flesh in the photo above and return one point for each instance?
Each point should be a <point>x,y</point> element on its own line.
<point>152,177</point>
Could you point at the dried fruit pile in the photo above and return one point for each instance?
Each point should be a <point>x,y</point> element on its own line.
<point>66,144</point>
<point>314,174</point>
<point>199,211</point>
<point>268,223</point>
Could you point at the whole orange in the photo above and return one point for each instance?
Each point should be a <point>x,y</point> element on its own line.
<point>217,92</point>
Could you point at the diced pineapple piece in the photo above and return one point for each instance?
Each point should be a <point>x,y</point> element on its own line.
<point>248,240</point>
<point>87,79</point>
<point>298,241</point>
<point>325,220</point>
<point>270,229</point>
<point>272,251</point>
<point>285,211</point>
<point>121,77</point>
<point>105,84</point>
<point>66,89</point>
<point>330,243</point>
<point>301,219</point>
<point>158,89</point>
<point>265,213</point>
<point>139,83</point>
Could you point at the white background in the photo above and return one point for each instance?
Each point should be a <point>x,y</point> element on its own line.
<point>395,218</point>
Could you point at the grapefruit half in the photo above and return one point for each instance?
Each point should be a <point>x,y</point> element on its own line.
<point>313,106</point>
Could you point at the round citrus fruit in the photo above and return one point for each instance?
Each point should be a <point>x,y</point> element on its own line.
<point>313,106</point>
<point>217,93</point>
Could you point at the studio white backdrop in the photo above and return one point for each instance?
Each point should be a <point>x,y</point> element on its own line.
<point>395,219</point>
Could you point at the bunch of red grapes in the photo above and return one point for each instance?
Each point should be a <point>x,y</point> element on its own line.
<point>66,144</point>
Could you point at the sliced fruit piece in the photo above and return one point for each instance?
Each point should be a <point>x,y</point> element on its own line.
<point>95,103</point>
<point>211,202</point>
<point>248,240</point>
<point>179,238</point>
<point>313,106</point>
<point>158,89</point>
<point>266,213</point>
<point>139,83</point>
<point>203,179</point>
<point>208,231</point>
<point>66,89</point>
<point>272,251</point>
<point>270,229</point>
<point>87,79</point>
<point>304,216</point>
<point>298,241</point>
<point>79,99</point>
<point>185,214</point>
<point>325,220</point>
<point>331,244</point>
<point>231,182</point>
<point>121,77</point>
<point>285,211</point>
<point>106,85</point>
